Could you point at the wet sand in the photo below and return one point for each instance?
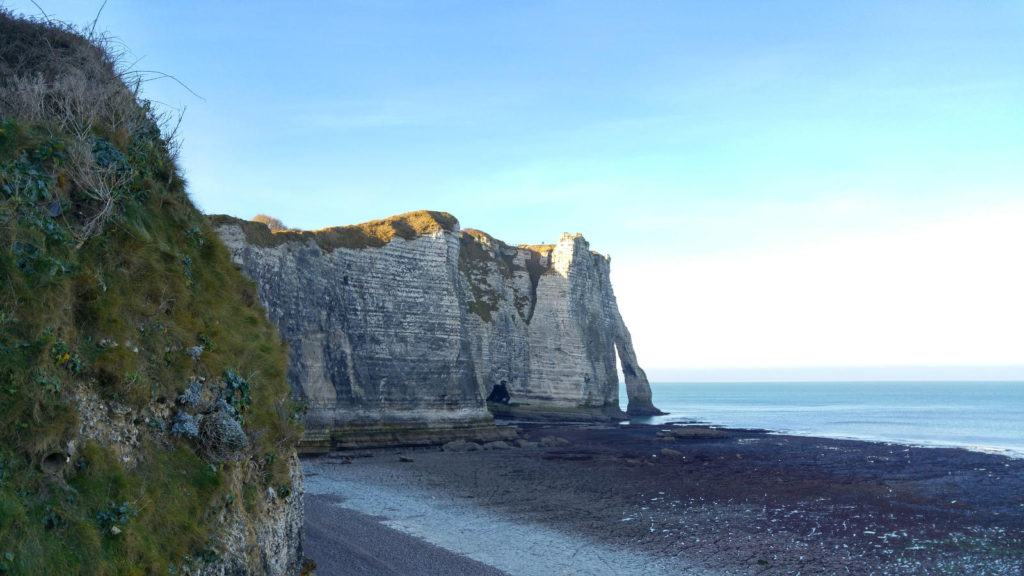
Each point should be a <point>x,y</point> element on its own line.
<point>635,500</point>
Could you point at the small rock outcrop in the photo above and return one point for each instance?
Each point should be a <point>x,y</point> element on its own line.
<point>405,328</point>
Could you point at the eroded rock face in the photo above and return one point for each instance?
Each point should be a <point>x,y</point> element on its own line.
<point>263,538</point>
<point>550,330</point>
<point>375,334</point>
<point>419,331</point>
<point>272,546</point>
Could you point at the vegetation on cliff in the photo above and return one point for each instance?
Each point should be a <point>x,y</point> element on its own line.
<point>142,391</point>
<point>373,234</point>
<point>476,260</point>
<point>479,253</point>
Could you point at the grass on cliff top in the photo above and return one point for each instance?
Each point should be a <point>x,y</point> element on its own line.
<point>539,248</point>
<point>371,234</point>
<point>112,283</point>
<point>481,236</point>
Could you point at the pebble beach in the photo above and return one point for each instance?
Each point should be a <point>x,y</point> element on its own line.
<point>672,499</point>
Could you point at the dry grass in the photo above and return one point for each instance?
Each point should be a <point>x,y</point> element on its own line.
<point>481,236</point>
<point>274,224</point>
<point>75,86</point>
<point>371,234</point>
<point>542,249</point>
<point>50,73</point>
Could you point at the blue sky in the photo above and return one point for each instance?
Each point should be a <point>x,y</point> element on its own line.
<point>779,183</point>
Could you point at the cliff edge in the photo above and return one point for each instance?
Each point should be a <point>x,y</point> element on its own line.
<point>404,329</point>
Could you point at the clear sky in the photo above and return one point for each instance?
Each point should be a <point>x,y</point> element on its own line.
<point>783,183</point>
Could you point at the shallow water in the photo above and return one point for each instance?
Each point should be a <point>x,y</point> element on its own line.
<point>985,416</point>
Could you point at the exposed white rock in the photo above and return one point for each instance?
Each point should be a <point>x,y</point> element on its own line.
<point>555,350</point>
<point>420,331</point>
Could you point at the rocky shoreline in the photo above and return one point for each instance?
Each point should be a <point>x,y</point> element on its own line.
<point>699,501</point>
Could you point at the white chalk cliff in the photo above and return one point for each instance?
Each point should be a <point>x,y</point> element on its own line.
<point>410,324</point>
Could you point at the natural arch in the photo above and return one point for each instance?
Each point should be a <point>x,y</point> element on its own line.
<point>638,389</point>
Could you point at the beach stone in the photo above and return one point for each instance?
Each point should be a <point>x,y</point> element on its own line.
<point>460,446</point>
<point>553,442</point>
<point>497,445</point>
<point>568,456</point>
<point>404,458</point>
<point>670,452</point>
<point>524,443</point>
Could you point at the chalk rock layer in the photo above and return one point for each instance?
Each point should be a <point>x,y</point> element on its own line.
<point>409,325</point>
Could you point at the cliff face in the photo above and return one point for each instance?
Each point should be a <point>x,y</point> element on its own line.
<point>375,333</point>
<point>418,325</point>
<point>546,324</point>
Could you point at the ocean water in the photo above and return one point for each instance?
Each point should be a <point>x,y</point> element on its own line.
<point>987,416</point>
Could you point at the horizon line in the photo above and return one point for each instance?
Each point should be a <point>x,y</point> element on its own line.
<point>903,373</point>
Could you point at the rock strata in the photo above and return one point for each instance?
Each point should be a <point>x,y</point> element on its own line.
<point>406,329</point>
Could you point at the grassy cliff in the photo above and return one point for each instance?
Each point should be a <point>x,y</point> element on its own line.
<point>143,402</point>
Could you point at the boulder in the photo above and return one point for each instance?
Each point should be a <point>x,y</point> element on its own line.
<point>497,445</point>
<point>460,446</point>
<point>553,442</point>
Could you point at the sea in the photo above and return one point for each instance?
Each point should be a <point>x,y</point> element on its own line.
<point>982,416</point>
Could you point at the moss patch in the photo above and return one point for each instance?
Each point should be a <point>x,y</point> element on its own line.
<point>476,260</point>
<point>482,309</point>
<point>480,254</point>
